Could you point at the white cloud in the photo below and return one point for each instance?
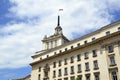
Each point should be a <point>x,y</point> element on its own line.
<point>20,40</point>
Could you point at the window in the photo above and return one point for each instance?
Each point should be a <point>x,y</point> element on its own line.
<point>85,42</point>
<point>54,53</point>
<point>87,77</point>
<point>110,48</point>
<point>59,72</point>
<point>54,64</point>
<point>71,47</point>
<point>47,45</point>
<point>54,74</point>
<point>51,44</point>
<point>95,64</point>
<point>41,58</point>
<point>72,69</point>
<point>65,71</point>
<point>79,68</point>
<point>87,66</point>
<point>79,77</point>
<point>96,75</point>
<point>72,78</point>
<point>39,77</point>
<point>55,43</point>
<point>78,44</point>
<point>72,59</point>
<point>65,61</point>
<point>112,60</point>
<point>86,55</point>
<point>78,57</point>
<point>60,51</point>
<point>93,38</point>
<point>118,28</point>
<point>108,32</point>
<point>39,69</point>
<point>94,53</point>
<point>114,76</point>
<point>47,56</point>
<point>59,63</point>
<point>65,49</point>
<point>65,78</point>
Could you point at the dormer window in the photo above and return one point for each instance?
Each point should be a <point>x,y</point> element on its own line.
<point>108,32</point>
<point>118,28</point>
<point>71,47</point>
<point>93,38</point>
<point>85,42</point>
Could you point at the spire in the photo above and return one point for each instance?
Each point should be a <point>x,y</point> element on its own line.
<point>58,29</point>
<point>58,20</point>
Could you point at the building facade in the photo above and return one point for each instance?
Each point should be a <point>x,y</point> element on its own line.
<point>95,56</point>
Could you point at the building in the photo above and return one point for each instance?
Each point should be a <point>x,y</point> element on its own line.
<point>95,56</point>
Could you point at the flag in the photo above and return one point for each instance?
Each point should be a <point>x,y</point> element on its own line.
<point>60,9</point>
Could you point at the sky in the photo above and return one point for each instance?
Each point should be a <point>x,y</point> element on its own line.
<point>24,23</point>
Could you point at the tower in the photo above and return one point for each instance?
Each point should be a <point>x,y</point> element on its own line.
<point>56,39</point>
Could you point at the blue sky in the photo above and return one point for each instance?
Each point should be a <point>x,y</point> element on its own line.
<point>23,26</point>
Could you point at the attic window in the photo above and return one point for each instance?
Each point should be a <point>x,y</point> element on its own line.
<point>65,49</point>
<point>60,51</point>
<point>93,38</point>
<point>54,53</point>
<point>71,47</point>
<point>108,32</point>
<point>78,44</point>
<point>85,42</point>
<point>118,28</point>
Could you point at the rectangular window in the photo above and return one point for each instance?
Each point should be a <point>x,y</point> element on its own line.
<point>59,74</point>
<point>65,71</point>
<point>93,38</point>
<point>79,77</point>
<point>94,53</point>
<point>47,45</point>
<point>114,76</point>
<point>51,44</point>
<point>65,61</point>
<point>79,68</point>
<point>39,69</point>
<point>59,63</point>
<point>71,47</point>
<point>87,77</point>
<point>78,57</point>
<point>65,49</point>
<point>96,75</point>
<point>72,78</point>
<point>112,60</point>
<point>47,56</point>
<point>54,74</point>
<point>65,78</point>
<point>55,43</point>
<point>87,66</point>
<point>108,32</point>
<point>85,42</point>
<point>78,44</point>
<point>60,51</point>
<point>86,55</point>
<point>110,48</point>
<point>95,64</point>
<point>118,28</point>
<point>54,64</point>
<point>72,59</point>
<point>39,77</point>
<point>72,69</point>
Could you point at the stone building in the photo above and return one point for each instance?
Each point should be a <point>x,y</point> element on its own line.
<point>95,56</point>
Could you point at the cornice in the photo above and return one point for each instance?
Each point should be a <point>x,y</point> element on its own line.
<point>80,47</point>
